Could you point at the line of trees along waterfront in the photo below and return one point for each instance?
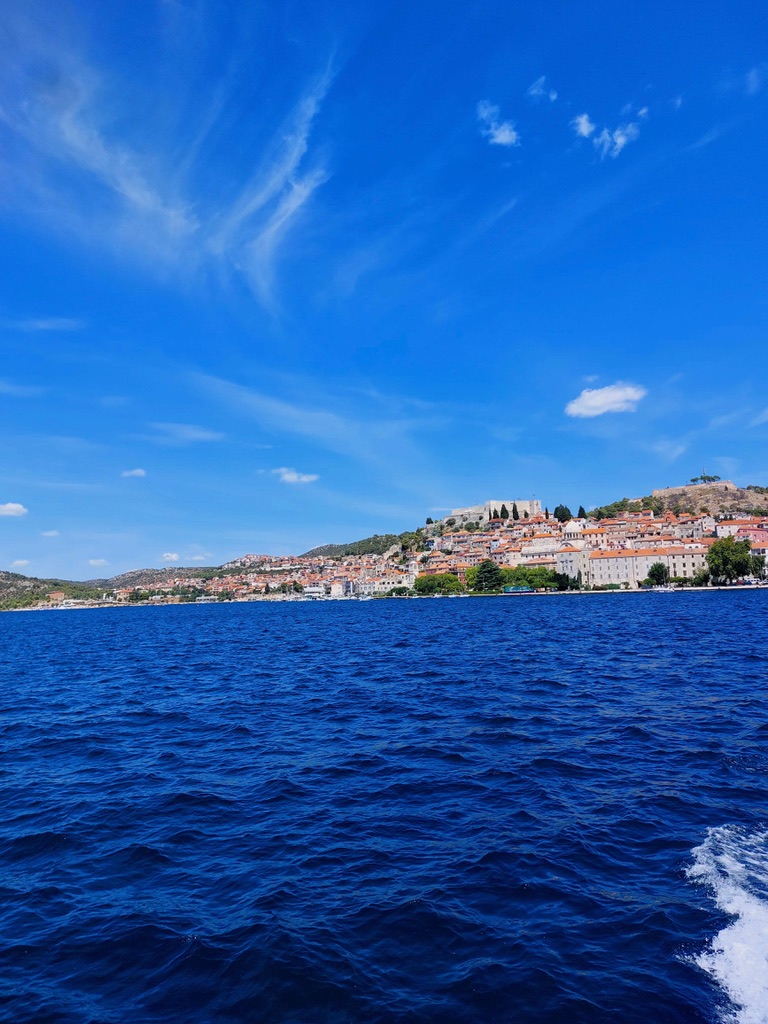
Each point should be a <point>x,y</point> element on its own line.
<point>490,578</point>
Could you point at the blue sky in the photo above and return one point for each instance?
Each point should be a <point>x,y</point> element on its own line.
<point>275,275</point>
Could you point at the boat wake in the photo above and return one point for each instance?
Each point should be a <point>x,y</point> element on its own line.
<point>733,863</point>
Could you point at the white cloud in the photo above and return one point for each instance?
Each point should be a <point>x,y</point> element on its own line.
<point>198,558</point>
<point>613,398</point>
<point>583,126</point>
<point>759,419</point>
<point>184,433</point>
<point>134,472</point>
<point>18,390</point>
<point>50,533</point>
<point>753,81</point>
<point>290,476</point>
<point>539,90</point>
<point>498,133</point>
<point>611,143</point>
<point>677,102</point>
<point>13,508</point>
<point>97,561</point>
<point>19,563</point>
<point>170,556</point>
<point>608,142</point>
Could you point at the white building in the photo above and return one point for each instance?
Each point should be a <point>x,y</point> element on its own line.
<point>630,567</point>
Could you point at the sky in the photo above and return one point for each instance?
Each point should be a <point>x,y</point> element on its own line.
<point>280,274</point>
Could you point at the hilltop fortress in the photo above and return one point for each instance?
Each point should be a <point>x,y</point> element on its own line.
<point>491,509</point>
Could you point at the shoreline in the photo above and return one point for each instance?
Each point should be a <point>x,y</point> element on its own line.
<point>298,599</point>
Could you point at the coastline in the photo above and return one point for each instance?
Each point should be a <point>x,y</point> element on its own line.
<point>299,599</point>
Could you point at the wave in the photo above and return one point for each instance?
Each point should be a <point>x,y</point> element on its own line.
<point>733,863</point>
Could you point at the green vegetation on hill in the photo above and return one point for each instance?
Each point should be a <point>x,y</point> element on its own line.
<point>17,591</point>
<point>625,505</point>
<point>375,545</point>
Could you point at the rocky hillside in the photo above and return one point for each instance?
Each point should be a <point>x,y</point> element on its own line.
<point>150,578</point>
<point>721,498</point>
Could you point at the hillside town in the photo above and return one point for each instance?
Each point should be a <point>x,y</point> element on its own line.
<point>588,552</point>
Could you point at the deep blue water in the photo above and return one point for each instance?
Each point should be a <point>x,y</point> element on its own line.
<point>521,809</point>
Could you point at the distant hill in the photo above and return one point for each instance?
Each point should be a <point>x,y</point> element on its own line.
<point>151,577</point>
<point>17,591</point>
<point>375,545</point>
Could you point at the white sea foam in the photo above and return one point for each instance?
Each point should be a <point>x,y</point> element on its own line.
<point>733,863</point>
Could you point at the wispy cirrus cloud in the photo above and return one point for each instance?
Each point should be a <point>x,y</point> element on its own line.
<point>497,131</point>
<point>50,533</point>
<point>541,91</point>
<point>80,160</point>
<point>669,450</point>
<point>19,390</point>
<point>181,433</point>
<point>287,475</point>
<point>20,563</point>
<point>754,80</point>
<point>376,431</point>
<point>43,323</point>
<point>135,472</point>
<point>617,397</point>
<point>97,562</point>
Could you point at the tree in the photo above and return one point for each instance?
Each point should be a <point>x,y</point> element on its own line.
<point>430,520</point>
<point>515,513</point>
<point>526,515</point>
<point>495,514</point>
<point>530,576</point>
<point>562,514</point>
<point>757,565</point>
<point>728,559</point>
<point>504,512</point>
<point>582,513</point>
<point>658,574</point>
<point>546,513</point>
<point>441,583</point>
<point>701,577</point>
<point>489,577</point>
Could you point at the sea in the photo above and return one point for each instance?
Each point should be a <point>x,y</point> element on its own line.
<point>528,809</point>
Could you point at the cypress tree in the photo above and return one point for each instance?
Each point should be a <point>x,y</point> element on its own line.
<point>515,513</point>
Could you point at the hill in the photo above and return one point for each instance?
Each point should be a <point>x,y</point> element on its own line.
<point>375,545</point>
<point>717,498</point>
<point>149,578</point>
<point>17,591</point>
